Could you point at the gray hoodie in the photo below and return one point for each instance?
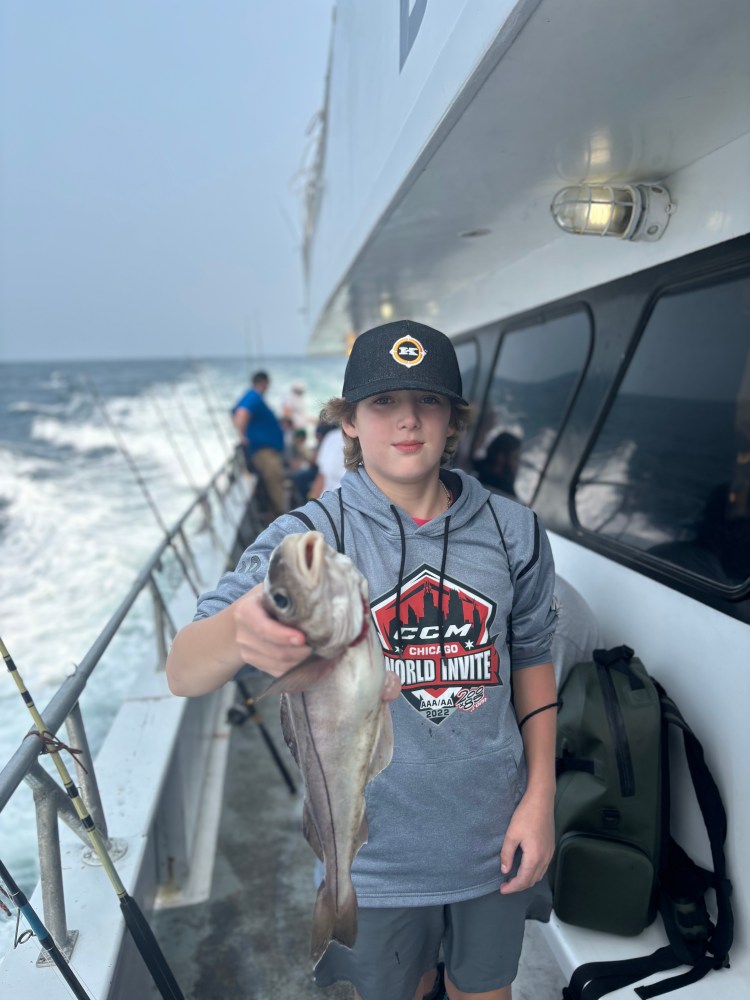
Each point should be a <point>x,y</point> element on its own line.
<point>473,590</point>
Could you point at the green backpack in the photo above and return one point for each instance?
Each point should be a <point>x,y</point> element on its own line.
<point>608,804</point>
<point>616,863</point>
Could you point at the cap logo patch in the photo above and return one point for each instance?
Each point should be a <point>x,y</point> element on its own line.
<point>408,351</point>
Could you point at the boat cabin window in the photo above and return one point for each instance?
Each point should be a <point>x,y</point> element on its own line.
<point>669,472</point>
<point>467,354</point>
<point>533,383</point>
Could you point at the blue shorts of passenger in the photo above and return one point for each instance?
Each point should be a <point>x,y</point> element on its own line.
<point>481,943</point>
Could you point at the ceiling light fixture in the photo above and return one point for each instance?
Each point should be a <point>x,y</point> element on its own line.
<point>628,212</point>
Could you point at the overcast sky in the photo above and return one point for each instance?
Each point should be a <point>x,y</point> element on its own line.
<point>148,150</point>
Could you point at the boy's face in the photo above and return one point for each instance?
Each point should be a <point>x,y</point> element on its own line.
<point>402,434</point>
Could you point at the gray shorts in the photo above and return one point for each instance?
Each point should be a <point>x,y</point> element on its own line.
<point>480,939</point>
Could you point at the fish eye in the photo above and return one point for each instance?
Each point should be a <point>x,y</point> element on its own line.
<point>281,600</point>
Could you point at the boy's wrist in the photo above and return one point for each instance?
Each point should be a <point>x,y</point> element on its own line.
<point>541,788</point>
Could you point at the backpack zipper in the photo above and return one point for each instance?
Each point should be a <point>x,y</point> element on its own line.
<point>619,733</point>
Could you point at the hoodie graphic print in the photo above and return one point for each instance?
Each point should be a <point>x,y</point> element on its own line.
<point>442,649</point>
<point>459,603</point>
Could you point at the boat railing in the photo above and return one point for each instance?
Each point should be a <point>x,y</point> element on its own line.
<point>311,177</point>
<point>50,801</point>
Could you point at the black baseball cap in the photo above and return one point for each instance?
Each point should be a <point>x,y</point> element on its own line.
<point>402,355</point>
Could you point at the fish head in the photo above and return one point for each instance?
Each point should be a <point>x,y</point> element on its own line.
<point>312,587</point>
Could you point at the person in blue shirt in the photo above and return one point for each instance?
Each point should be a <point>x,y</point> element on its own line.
<point>262,440</point>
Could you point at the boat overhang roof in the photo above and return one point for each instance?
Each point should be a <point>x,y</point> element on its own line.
<point>600,91</point>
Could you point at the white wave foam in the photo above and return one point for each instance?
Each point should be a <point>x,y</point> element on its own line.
<point>78,529</point>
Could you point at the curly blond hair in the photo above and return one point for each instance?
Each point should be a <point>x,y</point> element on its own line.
<point>337,410</point>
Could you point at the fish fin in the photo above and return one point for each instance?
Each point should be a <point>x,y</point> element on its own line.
<point>302,677</point>
<point>287,728</point>
<point>310,830</point>
<point>330,924</point>
<point>362,834</point>
<point>382,750</point>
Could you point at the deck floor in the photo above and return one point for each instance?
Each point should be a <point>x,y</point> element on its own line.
<point>250,940</point>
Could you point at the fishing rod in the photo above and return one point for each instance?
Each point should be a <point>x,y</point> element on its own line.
<point>220,431</point>
<point>191,427</point>
<point>237,716</point>
<point>204,456</point>
<point>199,446</point>
<point>119,440</point>
<point>173,441</point>
<point>186,470</point>
<point>135,922</point>
<point>233,445</point>
<point>41,933</point>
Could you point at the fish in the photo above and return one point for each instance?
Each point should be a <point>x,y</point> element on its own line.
<point>334,721</point>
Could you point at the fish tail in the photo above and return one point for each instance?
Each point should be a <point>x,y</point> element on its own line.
<point>332,924</point>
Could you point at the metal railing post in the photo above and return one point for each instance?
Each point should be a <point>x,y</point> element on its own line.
<point>161,642</point>
<point>50,874</point>
<point>86,779</point>
<point>180,533</point>
<point>162,619</point>
<point>38,780</point>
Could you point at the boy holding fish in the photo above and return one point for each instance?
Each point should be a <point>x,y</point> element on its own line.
<point>459,597</point>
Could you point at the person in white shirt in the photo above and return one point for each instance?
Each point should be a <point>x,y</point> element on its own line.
<point>330,462</point>
<point>294,406</point>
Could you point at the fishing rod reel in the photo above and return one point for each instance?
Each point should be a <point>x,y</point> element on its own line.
<point>237,715</point>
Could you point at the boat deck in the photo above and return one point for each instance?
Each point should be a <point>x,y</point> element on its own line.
<point>250,940</point>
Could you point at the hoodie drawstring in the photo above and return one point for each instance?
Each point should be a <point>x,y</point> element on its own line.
<point>400,570</point>
<point>441,585</point>
<point>441,582</point>
<point>341,511</point>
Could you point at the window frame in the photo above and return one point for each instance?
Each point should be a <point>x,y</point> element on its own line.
<point>468,392</point>
<point>677,576</point>
<point>529,321</point>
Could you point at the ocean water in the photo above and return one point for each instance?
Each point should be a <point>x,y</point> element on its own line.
<point>75,527</point>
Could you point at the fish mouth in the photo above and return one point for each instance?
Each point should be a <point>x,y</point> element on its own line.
<point>310,556</point>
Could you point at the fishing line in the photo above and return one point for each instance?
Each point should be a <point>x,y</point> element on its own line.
<point>191,427</point>
<point>135,922</point>
<point>220,431</point>
<point>175,447</point>
<point>42,935</point>
<point>119,440</point>
<point>191,482</point>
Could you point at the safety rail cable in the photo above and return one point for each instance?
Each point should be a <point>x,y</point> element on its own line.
<point>50,803</point>
<point>67,695</point>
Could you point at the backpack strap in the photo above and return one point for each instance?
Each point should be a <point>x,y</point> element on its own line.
<point>618,658</point>
<point>595,979</point>
<point>304,518</point>
<point>609,657</point>
<point>718,939</point>
<point>510,564</point>
<point>310,524</point>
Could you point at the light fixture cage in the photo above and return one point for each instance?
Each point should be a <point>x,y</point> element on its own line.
<point>626,211</point>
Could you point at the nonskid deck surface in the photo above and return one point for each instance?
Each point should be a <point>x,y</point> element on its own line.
<point>250,940</point>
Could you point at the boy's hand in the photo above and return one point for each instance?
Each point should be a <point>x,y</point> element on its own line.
<point>264,642</point>
<point>532,828</point>
<point>275,648</point>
